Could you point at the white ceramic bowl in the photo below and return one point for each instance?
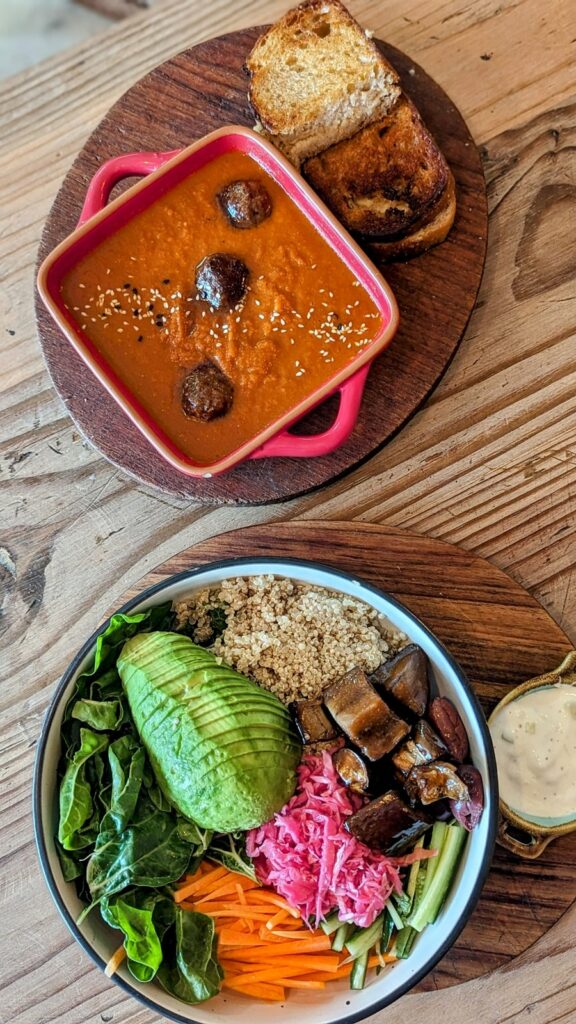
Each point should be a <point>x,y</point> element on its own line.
<point>336,1004</point>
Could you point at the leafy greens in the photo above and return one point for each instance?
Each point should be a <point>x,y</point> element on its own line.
<point>119,837</point>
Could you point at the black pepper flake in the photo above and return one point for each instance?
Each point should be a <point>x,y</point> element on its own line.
<point>140,337</point>
<point>128,286</point>
<point>135,291</point>
<point>150,307</point>
<point>135,312</point>
<point>166,280</point>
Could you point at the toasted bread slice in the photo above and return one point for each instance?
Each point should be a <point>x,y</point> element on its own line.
<point>317,78</point>
<point>381,181</point>
<point>429,230</point>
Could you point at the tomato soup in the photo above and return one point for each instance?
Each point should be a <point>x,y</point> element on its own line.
<point>301,318</point>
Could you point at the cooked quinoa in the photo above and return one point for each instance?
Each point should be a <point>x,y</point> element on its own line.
<point>293,638</point>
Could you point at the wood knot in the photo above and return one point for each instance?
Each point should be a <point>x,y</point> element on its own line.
<point>546,256</point>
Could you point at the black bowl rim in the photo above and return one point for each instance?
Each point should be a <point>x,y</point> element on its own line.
<point>235,563</point>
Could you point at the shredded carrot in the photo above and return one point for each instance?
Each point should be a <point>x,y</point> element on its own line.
<point>234,937</point>
<point>342,972</point>
<point>264,896</point>
<point>278,918</point>
<point>267,974</point>
<point>260,959</point>
<point>228,888</point>
<point>203,884</point>
<point>300,983</point>
<point>115,961</point>
<point>274,993</point>
<point>316,944</point>
<point>221,910</point>
<point>306,962</point>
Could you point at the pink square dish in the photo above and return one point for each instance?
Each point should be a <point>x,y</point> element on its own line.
<point>162,172</point>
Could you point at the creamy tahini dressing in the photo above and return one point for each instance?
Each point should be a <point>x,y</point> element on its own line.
<point>534,740</point>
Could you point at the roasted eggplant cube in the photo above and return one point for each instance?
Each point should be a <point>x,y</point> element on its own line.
<point>423,747</point>
<point>352,769</point>
<point>363,716</point>
<point>312,721</point>
<point>387,824</point>
<point>431,782</point>
<point>405,678</point>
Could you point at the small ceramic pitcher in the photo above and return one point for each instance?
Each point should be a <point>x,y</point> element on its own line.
<point>529,836</point>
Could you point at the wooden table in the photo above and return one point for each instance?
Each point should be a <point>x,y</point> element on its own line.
<point>489,463</point>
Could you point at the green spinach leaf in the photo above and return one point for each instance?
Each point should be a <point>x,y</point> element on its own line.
<point>76,807</point>
<point>230,850</point>
<point>126,758</point>
<point>102,715</point>
<point>149,852</point>
<point>200,837</point>
<point>144,917</point>
<point>71,867</point>
<point>190,971</point>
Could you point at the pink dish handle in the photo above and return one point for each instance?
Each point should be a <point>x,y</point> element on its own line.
<point>128,166</point>
<point>282,444</point>
<point>309,446</point>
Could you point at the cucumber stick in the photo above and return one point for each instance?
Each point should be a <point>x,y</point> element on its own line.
<point>331,923</point>
<point>439,832</point>
<point>402,902</point>
<point>387,932</point>
<point>340,936</point>
<point>415,869</point>
<point>398,922</point>
<point>405,941</point>
<point>436,889</point>
<point>358,973</point>
<point>362,940</point>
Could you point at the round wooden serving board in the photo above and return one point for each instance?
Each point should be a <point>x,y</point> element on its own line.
<point>499,634</point>
<point>205,88</point>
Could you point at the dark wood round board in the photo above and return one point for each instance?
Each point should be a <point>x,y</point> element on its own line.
<point>499,634</point>
<point>193,93</point>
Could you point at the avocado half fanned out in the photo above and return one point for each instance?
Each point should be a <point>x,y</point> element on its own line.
<point>223,749</point>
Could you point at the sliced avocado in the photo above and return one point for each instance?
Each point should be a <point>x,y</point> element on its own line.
<point>224,750</point>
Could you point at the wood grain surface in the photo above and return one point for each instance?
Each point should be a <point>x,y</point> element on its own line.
<point>500,636</point>
<point>489,462</point>
<point>204,89</point>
